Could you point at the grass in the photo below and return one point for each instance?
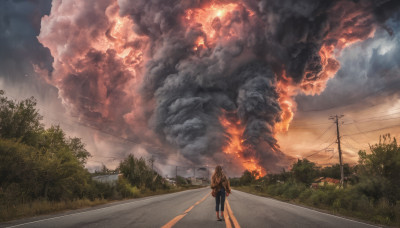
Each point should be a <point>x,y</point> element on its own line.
<point>41,207</point>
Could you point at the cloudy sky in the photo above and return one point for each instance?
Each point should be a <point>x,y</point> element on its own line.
<point>212,82</point>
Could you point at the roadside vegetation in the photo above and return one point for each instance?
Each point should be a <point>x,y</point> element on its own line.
<point>42,170</point>
<point>371,190</point>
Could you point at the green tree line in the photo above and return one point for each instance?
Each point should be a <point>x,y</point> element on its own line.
<point>36,162</point>
<point>44,164</point>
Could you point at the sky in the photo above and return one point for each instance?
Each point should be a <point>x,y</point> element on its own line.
<point>246,84</point>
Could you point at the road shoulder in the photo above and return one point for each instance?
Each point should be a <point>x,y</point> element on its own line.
<point>64,213</point>
<point>299,204</point>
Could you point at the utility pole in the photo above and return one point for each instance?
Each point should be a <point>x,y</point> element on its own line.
<point>336,118</point>
<point>194,172</point>
<point>176,173</point>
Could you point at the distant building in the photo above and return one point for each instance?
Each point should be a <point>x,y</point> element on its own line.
<point>109,179</point>
<point>198,181</point>
<point>172,182</point>
<point>322,181</point>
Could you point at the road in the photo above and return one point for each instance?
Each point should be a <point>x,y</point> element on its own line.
<point>192,208</point>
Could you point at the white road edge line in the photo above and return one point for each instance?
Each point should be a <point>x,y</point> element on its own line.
<point>135,201</point>
<point>311,209</point>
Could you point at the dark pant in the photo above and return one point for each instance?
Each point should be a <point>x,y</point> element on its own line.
<point>220,199</point>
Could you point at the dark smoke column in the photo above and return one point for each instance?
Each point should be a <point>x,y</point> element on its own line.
<point>197,73</point>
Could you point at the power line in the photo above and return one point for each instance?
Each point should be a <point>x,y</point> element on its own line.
<point>383,128</point>
<point>316,124</point>
<point>359,144</point>
<point>365,120</point>
<point>372,116</point>
<point>332,138</point>
<point>321,150</point>
<point>371,120</point>
<point>319,137</point>
<point>365,136</point>
<point>348,144</point>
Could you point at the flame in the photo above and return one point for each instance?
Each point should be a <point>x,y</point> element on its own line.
<point>236,147</point>
<point>286,91</point>
<point>215,22</point>
<point>199,43</point>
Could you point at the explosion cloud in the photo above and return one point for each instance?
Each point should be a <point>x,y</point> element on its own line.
<point>211,80</point>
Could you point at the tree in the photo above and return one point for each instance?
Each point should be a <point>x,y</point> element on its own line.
<point>383,164</point>
<point>78,149</point>
<point>139,174</point>
<point>334,171</point>
<point>284,176</point>
<point>19,120</point>
<point>181,180</point>
<point>54,140</point>
<point>248,177</point>
<point>304,171</point>
<point>38,163</point>
<point>27,173</point>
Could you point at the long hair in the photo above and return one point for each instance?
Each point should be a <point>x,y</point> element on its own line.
<point>217,176</point>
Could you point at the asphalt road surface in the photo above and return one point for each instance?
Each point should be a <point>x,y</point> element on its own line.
<point>192,208</point>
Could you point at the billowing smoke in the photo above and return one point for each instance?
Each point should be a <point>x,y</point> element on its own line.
<point>210,80</point>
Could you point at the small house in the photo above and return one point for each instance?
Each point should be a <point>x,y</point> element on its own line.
<point>322,181</point>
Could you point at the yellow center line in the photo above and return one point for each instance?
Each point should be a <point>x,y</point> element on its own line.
<point>230,212</point>
<point>179,217</point>
<point>189,209</point>
<point>227,221</point>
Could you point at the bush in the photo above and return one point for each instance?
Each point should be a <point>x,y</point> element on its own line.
<point>140,175</point>
<point>381,169</point>
<point>181,181</point>
<point>125,188</point>
<point>304,195</point>
<point>26,173</point>
<point>304,171</point>
<point>235,181</point>
<point>100,190</point>
<point>291,190</point>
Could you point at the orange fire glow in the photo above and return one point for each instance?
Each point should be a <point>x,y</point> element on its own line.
<point>345,37</point>
<point>199,43</point>
<point>215,22</point>
<point>236,148</point>
<point>286,92</point>
<point>330,66</point>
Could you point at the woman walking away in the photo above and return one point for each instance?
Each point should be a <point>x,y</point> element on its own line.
<point>220,186</point>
